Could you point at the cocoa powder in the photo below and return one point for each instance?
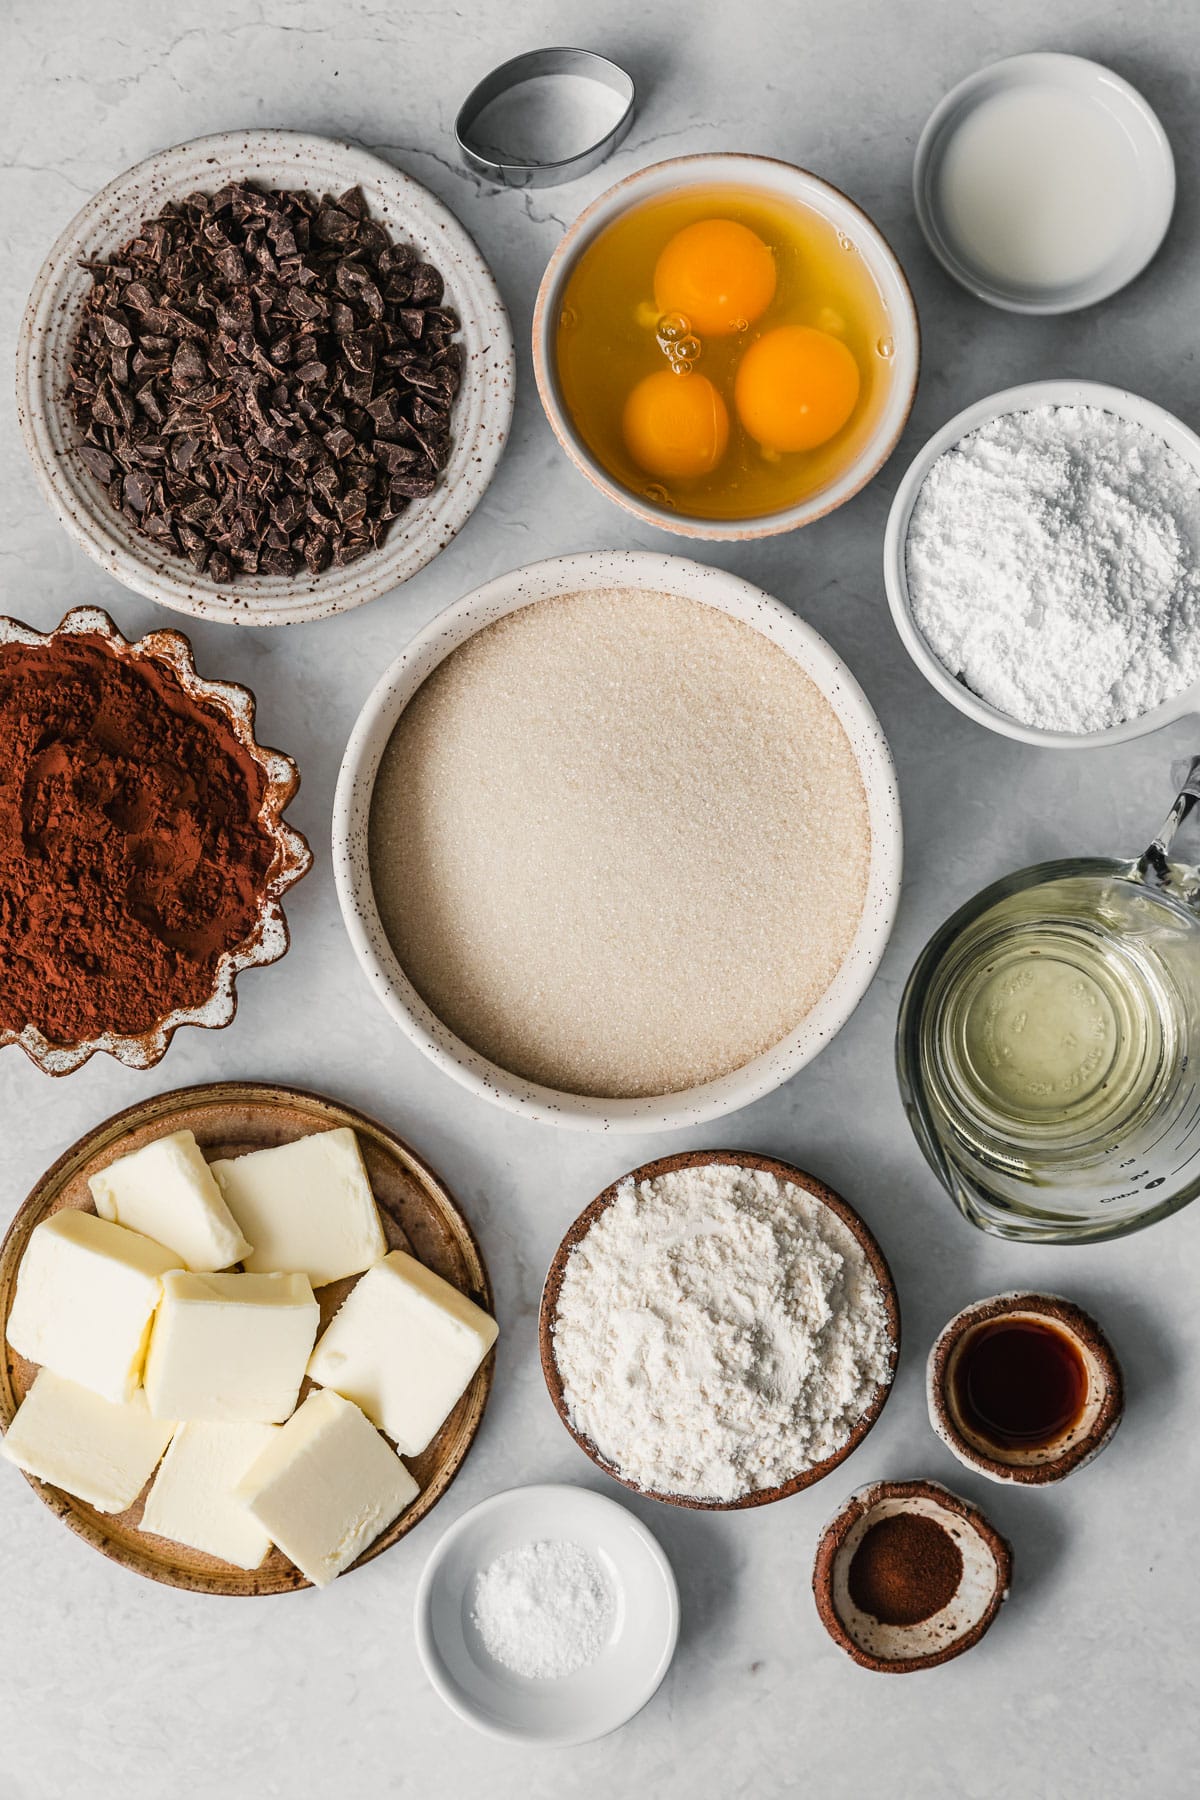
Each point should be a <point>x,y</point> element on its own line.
<point>132,855</point>
<point>906,1568</point>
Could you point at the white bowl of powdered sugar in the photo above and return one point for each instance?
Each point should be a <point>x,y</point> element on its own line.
<point>1042,563</point>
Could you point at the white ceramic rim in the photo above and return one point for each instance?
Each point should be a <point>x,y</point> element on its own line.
<point>786,180</point>
<point>650,572</point>
<point>482,411</point>
<point>430,1657</point>
<point>1152,151</point>
<point>895,572</point>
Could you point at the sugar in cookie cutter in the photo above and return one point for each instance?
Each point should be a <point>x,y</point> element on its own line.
<point>490,160</point>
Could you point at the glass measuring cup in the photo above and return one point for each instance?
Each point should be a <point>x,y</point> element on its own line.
<point>1047,1044</point>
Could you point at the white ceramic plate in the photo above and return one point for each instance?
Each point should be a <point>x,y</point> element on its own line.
<point>352,806</point>
<point>578,1707</point>
<point>895,571</point>
<point>283,159</point>
<point>783,181</point>
<point>1150,157</point>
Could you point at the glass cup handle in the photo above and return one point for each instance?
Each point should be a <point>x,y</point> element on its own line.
<point>1156,864</point>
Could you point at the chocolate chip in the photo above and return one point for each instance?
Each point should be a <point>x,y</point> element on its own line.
<point>427,285</point>
<point>263,380</point>
<point>98,461</point>
<point>333,226</point>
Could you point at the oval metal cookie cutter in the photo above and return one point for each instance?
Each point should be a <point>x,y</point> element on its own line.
<point>494,162</point>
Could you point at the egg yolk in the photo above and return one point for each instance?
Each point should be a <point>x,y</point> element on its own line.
<point>676,426</point>
<point>718,274</point>
<point>796,388</point>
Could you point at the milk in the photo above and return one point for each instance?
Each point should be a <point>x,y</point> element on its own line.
<point>1038,187</point>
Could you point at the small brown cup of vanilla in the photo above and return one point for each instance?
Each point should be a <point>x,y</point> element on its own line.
<point>1024,1387</point>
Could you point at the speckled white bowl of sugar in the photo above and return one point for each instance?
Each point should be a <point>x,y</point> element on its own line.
<point>1042,563</point>
<point>617,841</point>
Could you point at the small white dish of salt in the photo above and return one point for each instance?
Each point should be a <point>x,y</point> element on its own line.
<point>547,1615</point>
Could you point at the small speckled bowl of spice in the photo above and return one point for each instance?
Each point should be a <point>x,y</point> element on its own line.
<point>1025,1388</point>
<point>143,850</point>
<point>908,1576</point>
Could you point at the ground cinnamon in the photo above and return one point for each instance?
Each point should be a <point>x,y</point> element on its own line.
<point>906,1568</point>
<point>131,851</point>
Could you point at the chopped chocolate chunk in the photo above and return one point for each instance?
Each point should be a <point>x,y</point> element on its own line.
<point>262,380</point>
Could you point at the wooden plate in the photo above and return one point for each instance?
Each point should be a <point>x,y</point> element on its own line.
<point>743,1159</point>
<point>230,1118</point>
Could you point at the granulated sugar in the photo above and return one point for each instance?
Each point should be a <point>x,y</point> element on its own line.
<point>1053,564</point>
<point>544,1610</point>
<point>718,1331</point>
<point>619,842</point>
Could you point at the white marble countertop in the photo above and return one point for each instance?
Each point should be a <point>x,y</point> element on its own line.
<point>115,1689</point>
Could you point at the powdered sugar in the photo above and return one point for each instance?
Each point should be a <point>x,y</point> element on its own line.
<point>544,1610</point>
<point>718,1331</point>
<point>1053,562</point>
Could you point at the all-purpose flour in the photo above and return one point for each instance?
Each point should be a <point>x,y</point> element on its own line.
<point>1054,567</point>
<point>718,1331</point>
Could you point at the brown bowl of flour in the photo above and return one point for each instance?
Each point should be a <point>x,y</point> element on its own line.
<point>718,1330</point>
<point>617,841</point>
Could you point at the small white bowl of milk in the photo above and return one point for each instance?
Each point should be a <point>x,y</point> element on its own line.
<point>1044,183</point>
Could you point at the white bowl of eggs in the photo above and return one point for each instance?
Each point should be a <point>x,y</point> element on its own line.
<point>726,346</point>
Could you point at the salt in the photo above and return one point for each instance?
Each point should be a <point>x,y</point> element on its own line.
<point>1053,561</point>
<point>544,1610</point>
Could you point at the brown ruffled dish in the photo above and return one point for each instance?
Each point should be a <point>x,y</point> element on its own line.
<point>1101,1410</point>
<point>237,929</point>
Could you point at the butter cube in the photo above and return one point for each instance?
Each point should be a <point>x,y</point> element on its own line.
<point>230,1346</point>
<point>67,1435</point>
<point>326,1486</point>
<point>86,1294</point>
<point>306,1205</point>
<point>193,1501</point>
<point>404,1347</point>
<point>166,1191</point>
